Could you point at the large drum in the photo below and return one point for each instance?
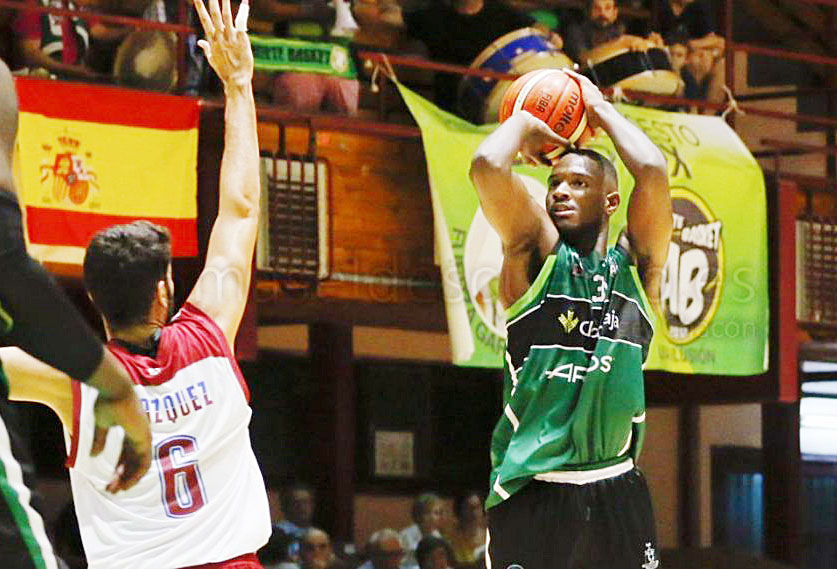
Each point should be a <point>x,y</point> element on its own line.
<point>649,69</point>
<point>515,53</point>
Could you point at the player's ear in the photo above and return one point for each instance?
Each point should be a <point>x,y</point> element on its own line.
<point>612,201</point>
<point>162,293</point>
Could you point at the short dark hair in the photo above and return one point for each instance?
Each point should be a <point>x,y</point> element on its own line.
<point>607,167</point>
<point>286,500</point>
<point>122,267</point>
<point>460,501</point>
<point>427,546</point>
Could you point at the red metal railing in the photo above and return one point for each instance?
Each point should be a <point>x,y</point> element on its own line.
<point>383,128</point>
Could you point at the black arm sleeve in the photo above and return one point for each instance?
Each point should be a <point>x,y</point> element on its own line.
<point>34,314</point>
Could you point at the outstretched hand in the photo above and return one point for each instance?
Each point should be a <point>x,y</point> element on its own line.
<point>226,46</point>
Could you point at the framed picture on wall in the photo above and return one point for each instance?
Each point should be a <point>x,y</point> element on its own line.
<point>394,454</point>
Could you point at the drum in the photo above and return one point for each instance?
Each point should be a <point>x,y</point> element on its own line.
<point>648,70</point>
<point>516,53</point>
<point>147,59</point>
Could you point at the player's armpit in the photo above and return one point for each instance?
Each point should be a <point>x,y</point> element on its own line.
<point>32,380</point>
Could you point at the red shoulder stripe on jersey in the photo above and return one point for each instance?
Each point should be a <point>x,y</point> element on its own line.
<point>223,344</point>
<point>190,337</point>
<point>74,435</point>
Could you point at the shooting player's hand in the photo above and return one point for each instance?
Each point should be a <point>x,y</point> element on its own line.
<point>537,135</point>
<point>591,95</point>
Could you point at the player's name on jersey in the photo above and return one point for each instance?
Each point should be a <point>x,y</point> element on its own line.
<point>177,404</point>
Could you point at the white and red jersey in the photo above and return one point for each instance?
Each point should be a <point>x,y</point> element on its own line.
<point>203,499</point>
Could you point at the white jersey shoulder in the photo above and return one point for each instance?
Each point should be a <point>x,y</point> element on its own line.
<point>203,499</point>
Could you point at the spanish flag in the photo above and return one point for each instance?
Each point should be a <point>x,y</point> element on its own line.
<point>90,157</point>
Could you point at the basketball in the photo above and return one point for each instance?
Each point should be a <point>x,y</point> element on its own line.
<point>552,96</point>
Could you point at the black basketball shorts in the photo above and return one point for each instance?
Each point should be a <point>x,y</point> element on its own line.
<point>34,314</point>
<point>607,524</point>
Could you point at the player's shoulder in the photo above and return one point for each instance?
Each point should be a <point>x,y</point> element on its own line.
<point>193,332</point>
<point>190,337</point>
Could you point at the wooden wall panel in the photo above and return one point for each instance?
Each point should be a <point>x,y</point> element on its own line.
<point>381,222</point>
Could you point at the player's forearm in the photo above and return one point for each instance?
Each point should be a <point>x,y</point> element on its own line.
<point>111,379</point>
<point>495,155</point>
<point>641,156</point>
<point>240,181</point>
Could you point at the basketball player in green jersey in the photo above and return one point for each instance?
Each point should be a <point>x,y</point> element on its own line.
<point>564,491</point>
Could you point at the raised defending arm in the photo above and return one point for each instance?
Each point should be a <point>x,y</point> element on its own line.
<point>222,289</point>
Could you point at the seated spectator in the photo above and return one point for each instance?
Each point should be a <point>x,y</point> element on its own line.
<point>456,31</point>
<point>315,552</point>
<point>7,16</point>
<point>428,513</point>
<point>55,43</point>
<point>434,553</point>
<point>315,90</point>
<point>688,23</point>
<point>468,535</point>
<point>384,551</point>
<point>298,504</point>
<point>602,25</point>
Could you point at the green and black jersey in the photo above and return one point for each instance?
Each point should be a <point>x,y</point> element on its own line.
<point>573,396</point>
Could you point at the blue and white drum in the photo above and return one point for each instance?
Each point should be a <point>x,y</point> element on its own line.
<point>516,52</point>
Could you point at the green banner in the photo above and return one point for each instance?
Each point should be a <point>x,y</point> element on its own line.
<point>714,294</point>
<point>282,54</point>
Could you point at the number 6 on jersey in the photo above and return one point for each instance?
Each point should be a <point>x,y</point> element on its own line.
<point>183,491</point>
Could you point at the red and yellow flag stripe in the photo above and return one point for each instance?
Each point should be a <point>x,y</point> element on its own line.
<point>91,156</point>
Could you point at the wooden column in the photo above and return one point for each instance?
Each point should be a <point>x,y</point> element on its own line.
<point>331,422</point>
<point>782,481</point>
<point>688,449</point>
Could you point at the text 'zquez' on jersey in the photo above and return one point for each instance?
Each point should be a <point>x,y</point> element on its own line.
<point>203,499</point>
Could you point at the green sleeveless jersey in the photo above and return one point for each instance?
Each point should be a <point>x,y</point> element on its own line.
<point>573,396</point>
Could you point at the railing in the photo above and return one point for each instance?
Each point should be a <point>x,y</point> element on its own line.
<point>383,128</point>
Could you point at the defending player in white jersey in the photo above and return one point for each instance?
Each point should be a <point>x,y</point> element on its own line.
<point>203,502</point>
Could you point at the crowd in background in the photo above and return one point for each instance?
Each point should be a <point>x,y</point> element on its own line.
<point>450,31</point>
<point>443,534</point>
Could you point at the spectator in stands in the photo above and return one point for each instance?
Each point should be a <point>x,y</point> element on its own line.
<point>691,19</point>
<point>306,91</point>
<point>7,16</point>
<point>468,535</point>
<point>55,43</point>
<point>428,513</point>
<point>688,23</point>
<point>456,31</point>
<point>384,551</point>
<point>315,552</point>
<point>298,504</point>
<point>275,550</point>
<point>434,553</point>
<point>602,25</point>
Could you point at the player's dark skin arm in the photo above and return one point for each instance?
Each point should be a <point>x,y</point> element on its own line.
<point>527,233</point>
<point>648,233</point>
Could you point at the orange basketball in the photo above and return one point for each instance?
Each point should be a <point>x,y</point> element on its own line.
<point>552,96</point>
